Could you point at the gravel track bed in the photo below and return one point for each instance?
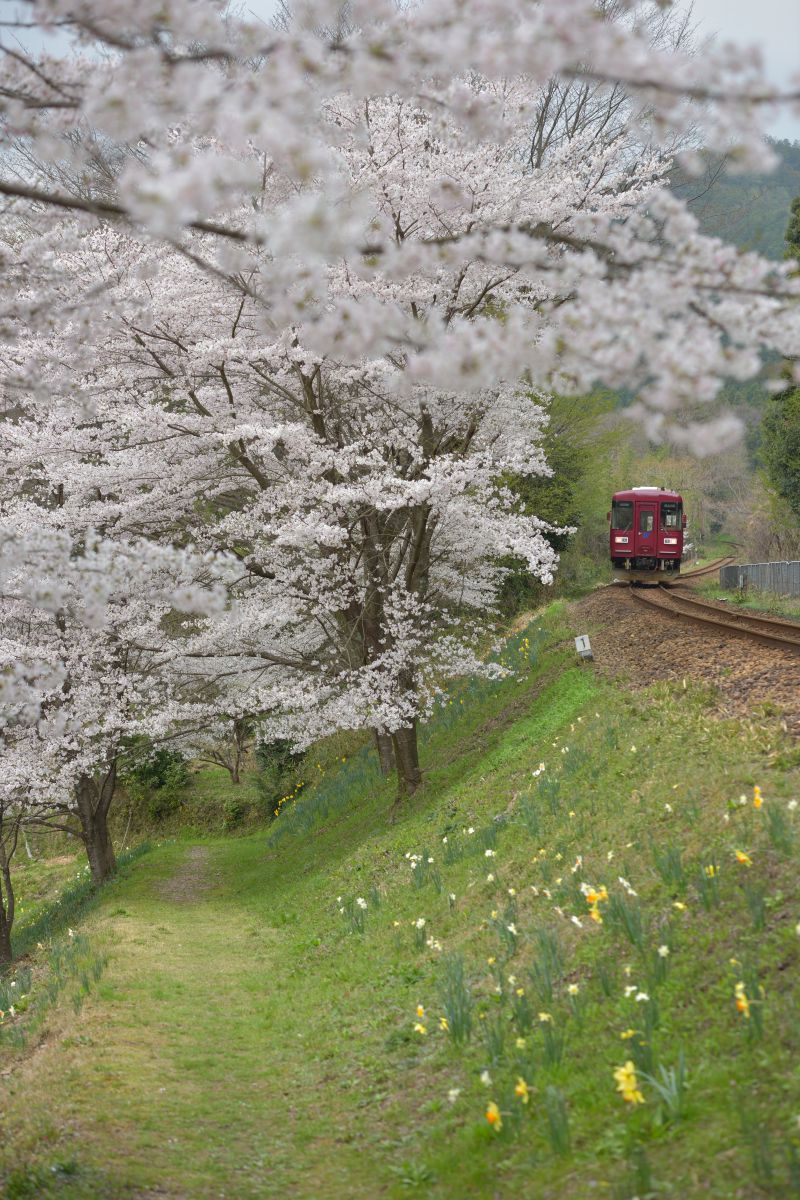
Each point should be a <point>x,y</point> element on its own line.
<point>642,646</point>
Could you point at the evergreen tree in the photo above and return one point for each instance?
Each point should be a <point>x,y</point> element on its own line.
<point>781,425</point>
<point>781,446</point>
<point>793,230</point>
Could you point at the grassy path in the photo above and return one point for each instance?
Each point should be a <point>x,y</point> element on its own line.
<point>195,1067</point>
<point>241,1043</point>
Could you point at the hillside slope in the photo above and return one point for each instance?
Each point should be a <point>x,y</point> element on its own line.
<point>255,1029</point>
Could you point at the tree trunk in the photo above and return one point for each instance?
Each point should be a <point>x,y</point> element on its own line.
<point>93,806</point>
<point>383,745</point>
<point>5,938</point>
<point>241,733</point>
<point>8,845</point>
<point>406,757</point>
<point>6,910</point>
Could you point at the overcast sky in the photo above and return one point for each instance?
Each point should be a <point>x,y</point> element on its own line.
<point>772,24</point>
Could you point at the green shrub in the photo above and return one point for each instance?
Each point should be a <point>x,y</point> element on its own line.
<point>277,765</point>
<point>234,811</point>
<point>155,779</point>
<point>278,756</point>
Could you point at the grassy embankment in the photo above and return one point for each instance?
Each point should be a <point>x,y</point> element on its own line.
<point>757,601</point>
<point>247,1038</point>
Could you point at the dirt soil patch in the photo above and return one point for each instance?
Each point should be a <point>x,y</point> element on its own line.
<point>643,646</point>
<point>191,880</point>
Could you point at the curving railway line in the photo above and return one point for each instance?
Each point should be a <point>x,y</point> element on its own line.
<point>709,569</point>
<point>680,604</point>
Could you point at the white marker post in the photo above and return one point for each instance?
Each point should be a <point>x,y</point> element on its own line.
<point>583,646</point>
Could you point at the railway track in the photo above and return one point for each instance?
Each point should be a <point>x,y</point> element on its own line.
<point>709,569</point>
<point>684,606</point>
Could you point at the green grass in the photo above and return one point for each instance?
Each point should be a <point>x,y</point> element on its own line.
<point>244,1040</point>
<point>41,881</point>
<point>766,602</point>
<point>56,898</point>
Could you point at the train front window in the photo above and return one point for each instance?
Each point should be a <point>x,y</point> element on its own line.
<point>646,520</point>
<point>622,514</point>
<point>670,514</point>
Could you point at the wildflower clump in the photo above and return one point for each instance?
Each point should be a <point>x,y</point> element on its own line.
<point>628,1084</point>
<point>594,898</point>
<point>742,1002</point>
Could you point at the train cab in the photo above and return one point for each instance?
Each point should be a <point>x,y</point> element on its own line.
<point>646,538</point>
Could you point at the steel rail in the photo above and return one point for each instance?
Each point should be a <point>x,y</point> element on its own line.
<point>733,613</point>
<point>768,630</point>
<point>707,570</point>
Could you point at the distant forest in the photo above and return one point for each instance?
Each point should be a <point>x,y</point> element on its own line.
<point>752,211</point>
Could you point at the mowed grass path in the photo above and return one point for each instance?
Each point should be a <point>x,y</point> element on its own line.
<point>240,1043</point>
<point>198,1068</point>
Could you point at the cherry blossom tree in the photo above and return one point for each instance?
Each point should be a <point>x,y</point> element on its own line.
<point>98,671</point>
<point>313,284</point>
<point>226,744</point>
<point>368,510</point>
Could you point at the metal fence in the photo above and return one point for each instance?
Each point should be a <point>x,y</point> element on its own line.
<point>780,577</point>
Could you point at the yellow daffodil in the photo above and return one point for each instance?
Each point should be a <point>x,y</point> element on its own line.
<point>758,799</point>
<point>744,859</point>
<point>544,1017</point>
<point>420,1029</point>
<point>627,1034</point>
<point>627,1083</point>
<point>521,1090</point>
<point>493,1116</point>
<point>444,1023</point>
<point>420,1011</point>
<point>742,1002</point>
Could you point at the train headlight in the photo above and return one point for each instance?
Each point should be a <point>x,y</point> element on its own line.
<point>622,540</point>
<point>670,541</point>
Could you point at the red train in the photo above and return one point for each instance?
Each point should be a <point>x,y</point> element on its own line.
<point>646,540</point>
